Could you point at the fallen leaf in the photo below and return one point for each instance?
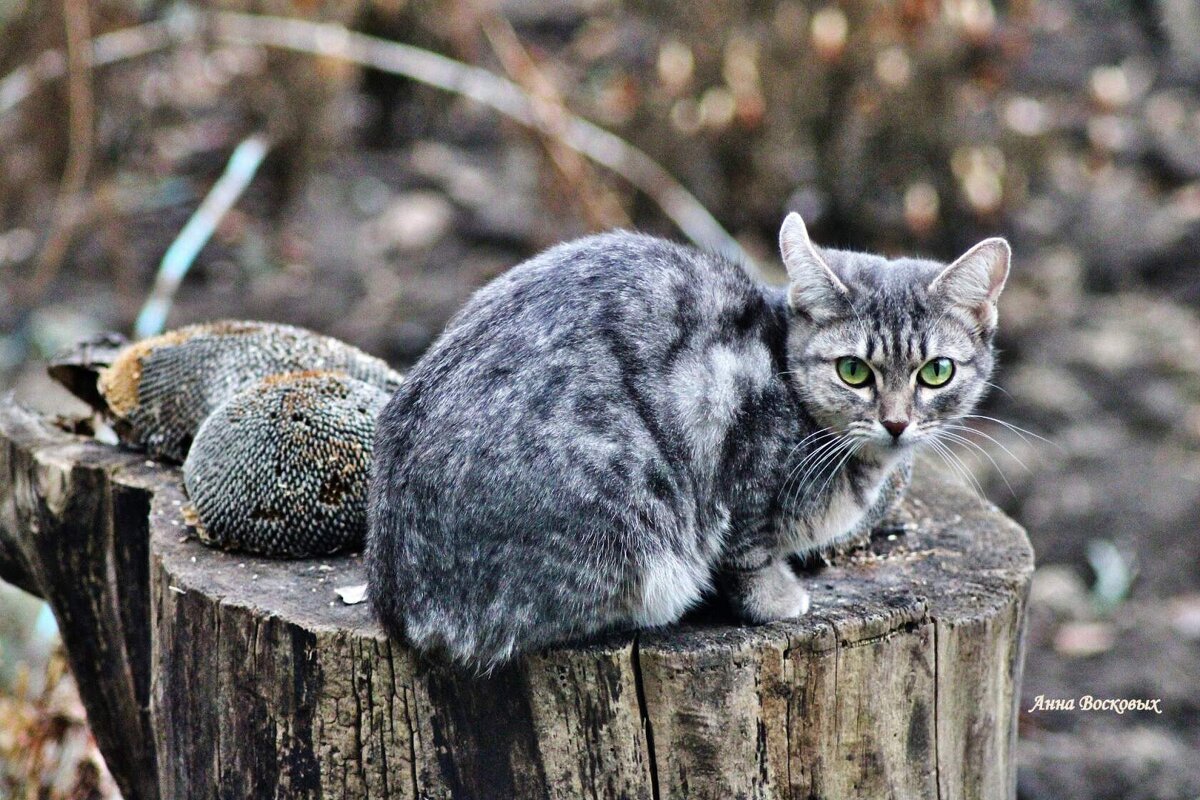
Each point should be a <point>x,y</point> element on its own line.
<point>352,595</point>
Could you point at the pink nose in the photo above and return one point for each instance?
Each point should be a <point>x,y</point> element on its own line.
<point>895,427</point>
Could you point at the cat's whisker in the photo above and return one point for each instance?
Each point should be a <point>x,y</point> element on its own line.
<point>850,452</point>
<point>951,459</point>
<point>997,442</point>
<point>950,437</point>
<point>963,474</point>
<point>938,448</point>
<point>804,486</point>
<point>827,434</point>
<point>843,443</point>
<point>1019,431</point>
<point>964,440</point>
<point>998,388</point>
<point>812,439</point>
<point>855,447</point>
<point>817,451</point>
<point>823,432</point>
<point>970,475</point>
<point>798,491</point>
<point>941,437</point>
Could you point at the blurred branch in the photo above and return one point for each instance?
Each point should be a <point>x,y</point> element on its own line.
<point>107,48</point>
<point>81,121</point>
<point>81,57</point>
<point>502,95</point>
<point>598,207</point>
<point>239,172</point>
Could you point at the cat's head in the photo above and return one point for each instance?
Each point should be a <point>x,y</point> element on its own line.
<point>887,351</point>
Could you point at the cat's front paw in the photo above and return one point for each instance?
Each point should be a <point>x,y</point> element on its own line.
<point>772,593</point>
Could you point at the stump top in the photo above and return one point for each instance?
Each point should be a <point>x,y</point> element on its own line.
<point>955,557</point>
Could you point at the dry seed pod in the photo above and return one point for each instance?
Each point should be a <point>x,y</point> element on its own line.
<point>282,468</point>
<point>158,391</point>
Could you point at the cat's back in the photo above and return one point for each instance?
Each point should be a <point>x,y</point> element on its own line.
<point>612,305</point>
<point>610,280</point>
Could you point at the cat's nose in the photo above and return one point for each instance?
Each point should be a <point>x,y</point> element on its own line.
<point>895,427</point>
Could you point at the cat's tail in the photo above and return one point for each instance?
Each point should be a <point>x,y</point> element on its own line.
<point>421,603</point>
<point>478,648</point>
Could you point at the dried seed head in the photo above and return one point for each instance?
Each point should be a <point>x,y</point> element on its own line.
<point>160,390</point>
<point>281,468</point>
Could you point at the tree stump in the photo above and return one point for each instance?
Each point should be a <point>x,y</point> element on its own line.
<point>207,674</point>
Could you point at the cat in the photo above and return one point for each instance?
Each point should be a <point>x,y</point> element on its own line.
<point>610,430</point>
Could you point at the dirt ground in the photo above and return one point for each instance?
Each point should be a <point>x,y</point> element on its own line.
<point>1071,127</point>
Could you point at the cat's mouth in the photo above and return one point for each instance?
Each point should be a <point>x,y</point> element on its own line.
<point>885,448</point>
<point>894,438</point>
<point>873,436</point>
<point>898,445</point>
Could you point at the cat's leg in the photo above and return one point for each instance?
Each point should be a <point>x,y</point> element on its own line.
<point>887,501</point>
<point>894,488</point>
<point>764,592</point>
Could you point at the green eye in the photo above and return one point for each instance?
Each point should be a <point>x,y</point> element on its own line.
<point>936,372</point>
<point>854,371</point>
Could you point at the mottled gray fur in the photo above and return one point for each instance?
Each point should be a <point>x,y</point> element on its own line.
<point>611,429</point>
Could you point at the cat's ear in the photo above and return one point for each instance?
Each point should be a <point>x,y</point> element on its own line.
<point>976,279</point>
<point>813,288</point>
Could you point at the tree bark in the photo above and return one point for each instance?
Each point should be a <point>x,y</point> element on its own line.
<point>209,674</point>
<point>74,530</point>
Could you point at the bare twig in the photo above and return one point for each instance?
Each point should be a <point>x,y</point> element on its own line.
<point>81,57</point>
<point>601,146</point>
<point>502,95</point>
<point>81,121</point>
<point>108,48</point>
<point>598,207</point>
<point>239,172</point>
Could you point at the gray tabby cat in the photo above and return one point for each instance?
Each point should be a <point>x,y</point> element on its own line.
<point>613,429</point>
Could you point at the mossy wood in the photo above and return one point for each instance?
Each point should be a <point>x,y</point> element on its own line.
<point>207,674</point>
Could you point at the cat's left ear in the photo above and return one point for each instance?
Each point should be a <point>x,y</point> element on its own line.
<point>976,279</point>
<point>814,289</point>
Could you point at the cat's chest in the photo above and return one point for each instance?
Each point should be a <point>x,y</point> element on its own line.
<point>837,513</point>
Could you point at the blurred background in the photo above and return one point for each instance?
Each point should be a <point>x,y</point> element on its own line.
<point>1070,126</point>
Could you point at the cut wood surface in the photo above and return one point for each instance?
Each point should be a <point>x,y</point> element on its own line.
<point>214,675</point>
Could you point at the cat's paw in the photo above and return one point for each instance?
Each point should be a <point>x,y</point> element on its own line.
<point>774,593</point>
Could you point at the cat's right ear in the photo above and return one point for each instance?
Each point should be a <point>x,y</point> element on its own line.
<point>814,290</point>
<point>976,279</point>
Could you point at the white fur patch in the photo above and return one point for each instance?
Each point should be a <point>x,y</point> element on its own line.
<point>841,516</point>
<point>776,593</point>
<point>669,586</point>
<point>707,395</point>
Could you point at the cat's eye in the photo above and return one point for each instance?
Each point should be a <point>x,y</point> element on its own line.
<point>854,371</point>
<point>936,372</point>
